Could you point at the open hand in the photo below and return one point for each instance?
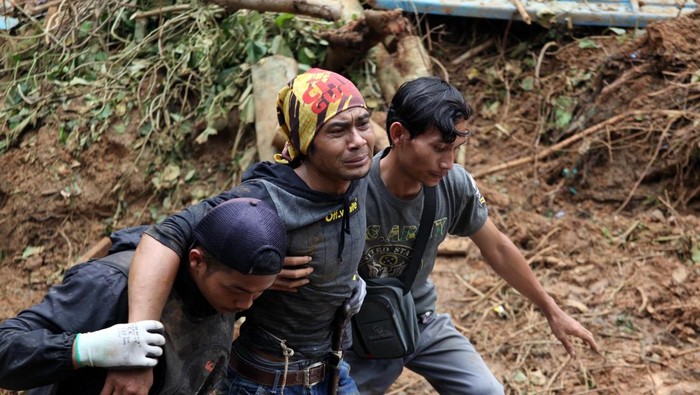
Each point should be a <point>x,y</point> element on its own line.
<point>136,344</point>
<point>564,326</point>
<point>294,274</point>
<point>128,382</point>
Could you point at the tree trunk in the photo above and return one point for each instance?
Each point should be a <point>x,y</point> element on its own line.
<point>324,9</point>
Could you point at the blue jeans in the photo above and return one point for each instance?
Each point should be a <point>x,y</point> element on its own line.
<point>235,384</point>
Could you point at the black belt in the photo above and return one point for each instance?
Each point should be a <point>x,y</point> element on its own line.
<point>308,377</point>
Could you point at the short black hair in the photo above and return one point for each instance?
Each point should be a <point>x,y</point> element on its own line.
<point>428,102</point>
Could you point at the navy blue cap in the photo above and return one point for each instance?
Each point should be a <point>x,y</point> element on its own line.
<point>245,234</point>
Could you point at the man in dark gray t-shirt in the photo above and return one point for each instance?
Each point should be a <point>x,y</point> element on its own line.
<point>426,124</point>
<point>318,189</point>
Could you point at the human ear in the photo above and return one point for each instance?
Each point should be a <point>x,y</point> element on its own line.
<point>397,131</point>
<point>197,261</point>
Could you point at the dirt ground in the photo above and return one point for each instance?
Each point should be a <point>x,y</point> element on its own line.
<point>608,219</point>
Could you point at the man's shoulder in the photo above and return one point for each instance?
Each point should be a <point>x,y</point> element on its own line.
<point>460,177</point>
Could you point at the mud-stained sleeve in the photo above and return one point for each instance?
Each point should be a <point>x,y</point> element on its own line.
<point>36,345</point>
<point>177,231</point>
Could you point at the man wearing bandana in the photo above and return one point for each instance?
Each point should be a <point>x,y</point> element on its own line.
<point>318,189</point>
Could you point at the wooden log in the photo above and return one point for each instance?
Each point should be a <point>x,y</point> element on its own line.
<point>324,9</point>
<point>410,61</point>
<point>381,140</point>
<point>269,75</point>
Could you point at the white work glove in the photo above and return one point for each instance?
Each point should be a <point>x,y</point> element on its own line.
<point>353,305</point>
<point>131,345</point>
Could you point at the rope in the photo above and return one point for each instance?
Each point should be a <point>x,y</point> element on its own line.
<point>287,352</point>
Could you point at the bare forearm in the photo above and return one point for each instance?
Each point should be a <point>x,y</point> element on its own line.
<point>151,278</point>
<point>509,263</point>
<point>505,258</point>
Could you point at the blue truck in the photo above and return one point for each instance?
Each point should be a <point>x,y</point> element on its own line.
<point>621,13</point>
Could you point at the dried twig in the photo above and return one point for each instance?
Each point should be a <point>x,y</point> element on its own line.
<point>43,7</point>
<point>161,10</point>
<point>623,237</point>
<point>556,374</point>
<point>646,169</point>
<point>469,286</point>
<point>591,130</point>
<point>445,74</point>
<point>686,352</point>
<point>628,75</point>
<point>473,52</point>
<point>540,58</point>
<point>644,300</point>
<point>70,245</point>
<point>522,12</point>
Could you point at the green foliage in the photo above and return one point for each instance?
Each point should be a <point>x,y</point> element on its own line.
<point>563,111</point>
<point>587,43</point>
<point>171,70</point>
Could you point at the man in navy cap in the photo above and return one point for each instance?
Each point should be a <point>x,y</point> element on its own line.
<point>66,343</point>
<point>290,343</point>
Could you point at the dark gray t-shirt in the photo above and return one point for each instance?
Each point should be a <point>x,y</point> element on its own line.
<point>315,225</point>
<point>392,224</point>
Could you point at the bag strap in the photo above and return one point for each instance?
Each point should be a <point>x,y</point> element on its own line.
<point>421,240</point>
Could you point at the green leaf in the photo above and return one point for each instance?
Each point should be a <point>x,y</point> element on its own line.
<point>283,20</point>
<point>247,110</point>
<point>279,47</point>
<point>170,173</point>
<point>695,77</point>
<point>78,81</point>
<point>62,135</point>
<point>306,56</point>
<point>696,253</point>
<point>563,106</point>
<point>255,50</point>
<point>204,136</point>
<point>563,118</point>
<point>30,251</point>
<point>618,31</point>
<point>519,377</point>
<point>527,83</point>
<point>20,121</point>
<point>85,28</point>
<point>587,43</point>
<point>190,175</point>
<point>106,112</point>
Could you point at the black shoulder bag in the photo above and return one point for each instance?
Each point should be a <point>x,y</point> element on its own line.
<point>387,325</point>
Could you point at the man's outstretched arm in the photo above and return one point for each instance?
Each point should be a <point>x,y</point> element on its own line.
<point>507,261</point>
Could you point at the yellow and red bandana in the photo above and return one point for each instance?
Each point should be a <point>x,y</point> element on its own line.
<point>307,102</point>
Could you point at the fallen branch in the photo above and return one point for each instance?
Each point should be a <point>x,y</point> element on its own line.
<point>473,51</point>
<point>325,9</point>
<point>592,130</point>
<point>625,77</point>
<point>43,7</point>
<point>161,10</point>
<point>522,12</point>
